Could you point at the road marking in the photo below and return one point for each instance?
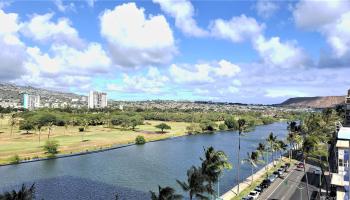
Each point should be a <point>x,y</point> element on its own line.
<point>279,185</point>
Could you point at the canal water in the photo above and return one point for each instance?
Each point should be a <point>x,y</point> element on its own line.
<point>131,172</point>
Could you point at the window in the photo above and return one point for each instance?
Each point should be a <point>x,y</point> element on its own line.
<point>340,163</point>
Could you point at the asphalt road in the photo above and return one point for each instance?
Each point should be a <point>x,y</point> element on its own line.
<point>292,185</point>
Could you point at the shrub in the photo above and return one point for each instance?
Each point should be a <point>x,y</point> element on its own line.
<point>222,127</point>
<point>15,159</point>
<point>140,140</point>
<point>51,147</point>
<point>81,129</point>
<point>193,128</point>
<point>208,125</point>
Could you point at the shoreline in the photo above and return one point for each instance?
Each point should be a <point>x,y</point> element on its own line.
<point>113,147</point>
<point>118,146</point>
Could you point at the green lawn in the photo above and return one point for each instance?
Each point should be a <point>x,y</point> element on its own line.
<point>96,137</point>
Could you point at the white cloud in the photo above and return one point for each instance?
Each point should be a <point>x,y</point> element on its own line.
<point>63,8</point>
<point>153,82</point>
<point>274,53</point>
<point>227,68</point>
<point>67,60</point>
<point>338,35</point>
<point>12,54</point>
<point>41,28</point>
<point>266,8</point>
<point>139,40</point>
<point>183,75</point>
<point>333,23</point>
<point>183,12</point>
<point>282,92</point>
<point>315,14</point>
<point>203,72</point>
<point>237,29</point>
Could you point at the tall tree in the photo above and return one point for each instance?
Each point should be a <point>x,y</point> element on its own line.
<point>262,150</point>
<point>213,165</point>
<point>271,140</point>
<point>196,184</point>
<point>241,127</point>
<point>12,122</point>
<point>166,193</point>
<point>252,159</point>
<point>281,147</point>
<point>309,145</point>
<point>23,194</point>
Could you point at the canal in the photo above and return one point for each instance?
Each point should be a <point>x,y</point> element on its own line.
<point>131,172</point>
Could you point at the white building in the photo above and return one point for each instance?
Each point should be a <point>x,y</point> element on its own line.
<point>30,102</point>
<point>97,99</point>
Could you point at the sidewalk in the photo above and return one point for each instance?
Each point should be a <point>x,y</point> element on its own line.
<point>246,183</point>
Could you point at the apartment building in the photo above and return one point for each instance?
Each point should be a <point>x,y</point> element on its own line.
<point>30,102</point>
<point>340,176</point>
<point>97,99</point>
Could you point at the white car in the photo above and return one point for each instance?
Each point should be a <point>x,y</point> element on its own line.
<point>254,194</point>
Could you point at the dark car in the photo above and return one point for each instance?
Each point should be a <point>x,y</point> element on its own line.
<point>266,183</point>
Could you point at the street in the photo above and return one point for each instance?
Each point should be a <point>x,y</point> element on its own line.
<point>292,185</point>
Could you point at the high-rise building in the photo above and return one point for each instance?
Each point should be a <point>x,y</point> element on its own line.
<point>97,99</point>
<point>30,102</point>
<point>347,110</point>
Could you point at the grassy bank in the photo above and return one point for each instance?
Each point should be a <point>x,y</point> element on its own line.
<point>27,146</point>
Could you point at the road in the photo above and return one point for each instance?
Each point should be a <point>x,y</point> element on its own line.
<point>292,185</point>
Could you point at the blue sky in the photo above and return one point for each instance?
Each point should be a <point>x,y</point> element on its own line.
<point>237,51</point>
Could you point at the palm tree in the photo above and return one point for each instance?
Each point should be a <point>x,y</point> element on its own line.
<point>213,165</point>
<point>50,127</point>
<point>261,150</point>
<point>252,159</point>
<point>281,146</point>
<point>12,122</point>
<point>166,193</point>
<point>196,184</point>
<point>1,118</point>
<point>23,194</point>
<point>291,140</point>
<point>241,126</point>
<point>309,145</point>
<point>271,139</point>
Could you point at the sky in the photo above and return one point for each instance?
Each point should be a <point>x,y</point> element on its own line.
<point>225,51</point>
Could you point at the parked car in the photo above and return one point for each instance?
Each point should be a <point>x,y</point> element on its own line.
<point>266,183</point>
<point>247,198</point>
<point>281,170</point>
<point>317,171</point>
<point>259,189</point>
<point>277,173</point>
<point>272,178</point>
<point>254,194</point>
<point>300,165</point>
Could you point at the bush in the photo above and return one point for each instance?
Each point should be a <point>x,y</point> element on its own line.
<point>208,125</point>
<point>222,127</point>
<point>81,129</point>
<point>51,147</point>
<point>193,128</point>
<point>15,159</point>
<point>140,140</point>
